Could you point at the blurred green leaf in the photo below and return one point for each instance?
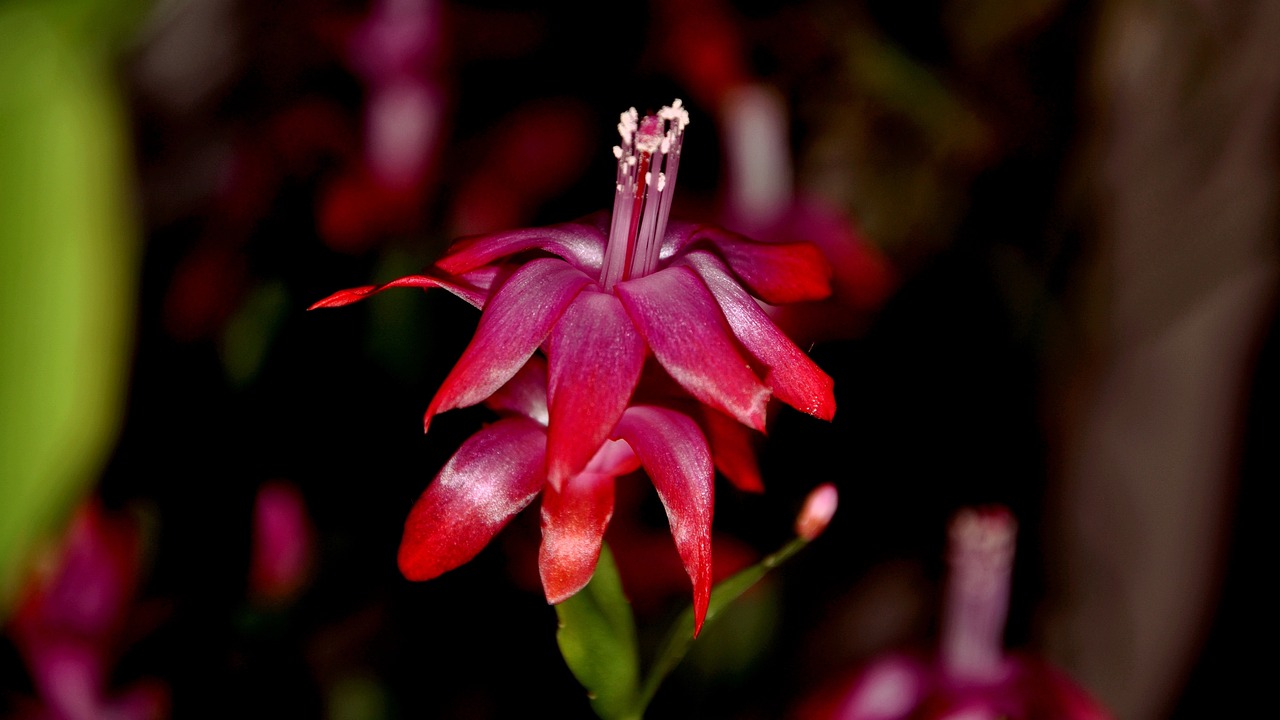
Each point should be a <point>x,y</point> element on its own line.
<point>251,330</point>
<point>67,263</point>
<point>597,637</point>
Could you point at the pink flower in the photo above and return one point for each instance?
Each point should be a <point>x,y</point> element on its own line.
<point>69,622</point>
<point>602,294</point>
<point>972,676</point>
<point>397,50</point>
<point>502,468</point>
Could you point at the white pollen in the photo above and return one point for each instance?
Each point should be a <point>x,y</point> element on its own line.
<point>617,152</point>
<point>627,124</point>
<point>648,178</point>
<point>676,115</point>
<point>666,144</point>
<point>662,181</point>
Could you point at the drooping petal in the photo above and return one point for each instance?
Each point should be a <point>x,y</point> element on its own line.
<point>581,243</point>
<point>573,525</point>
<point>473,289</point>
<point>516,320</point>
<point>485,280</point>
<point>494,475</point>
<point>594,358</point>
<point>525,394</point>
<point>732,450</point>
<point>778,273</point>
<point>674,452</point>
<point>686,331</point>
<point>793,377</point>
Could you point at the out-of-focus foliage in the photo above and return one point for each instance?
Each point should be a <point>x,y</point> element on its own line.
<point>899,139</point>
<point>67,261</point>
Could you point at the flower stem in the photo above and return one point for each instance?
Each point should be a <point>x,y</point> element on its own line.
<point>680,637</point>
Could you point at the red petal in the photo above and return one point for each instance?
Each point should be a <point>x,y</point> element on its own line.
<point>732,450</point>
<point>581,243</point>
<point>595,359</point>
<point>778,273</point>
<point>793,377</point>
<point>680,320</point>
<point>674,452</point>
<point>515,322</point>
<point>573,524</point>
<point>525,394</point>
<point>494,475</point>
<point>473,289</point>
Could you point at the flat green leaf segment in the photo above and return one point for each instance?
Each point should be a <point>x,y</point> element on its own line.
<point>598,638</point>
<point>68,250</point>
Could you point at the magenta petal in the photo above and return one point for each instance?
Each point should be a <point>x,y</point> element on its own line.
<point>674,452</point>
<point>680,320</point>
<point>525,394</point>
<point>581,243</point>
<point>778,273</point>
<point>516,320</point>
<point>793,377</point>
<point>615,458</point>
<point>481,282</point>
<point>494,475</point>
<point>573,524</point>
<point>891,688</point>
<point>472,293</point>
<point>595,357</point>
<point>733,450</point>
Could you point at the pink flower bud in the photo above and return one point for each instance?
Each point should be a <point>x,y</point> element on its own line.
<point>283,543</point>
<point>818,509</point>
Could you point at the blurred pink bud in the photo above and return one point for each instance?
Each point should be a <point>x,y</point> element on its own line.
<point>283,543</point>
<point>818,509</point>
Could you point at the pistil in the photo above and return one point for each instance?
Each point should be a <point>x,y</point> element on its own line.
<point>648,160</point>
<point>981,566</point>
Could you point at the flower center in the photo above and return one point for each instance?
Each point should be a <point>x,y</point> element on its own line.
<point>648,159</point>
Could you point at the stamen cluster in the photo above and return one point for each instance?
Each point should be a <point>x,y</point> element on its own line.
<point>649,150</point>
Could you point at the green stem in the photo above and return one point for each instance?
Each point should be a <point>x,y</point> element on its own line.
<point>680,637</point>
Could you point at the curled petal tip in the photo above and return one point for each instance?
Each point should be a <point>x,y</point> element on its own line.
<point>701,600</point>
<point>817,512</point>
<point>343,297</point>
